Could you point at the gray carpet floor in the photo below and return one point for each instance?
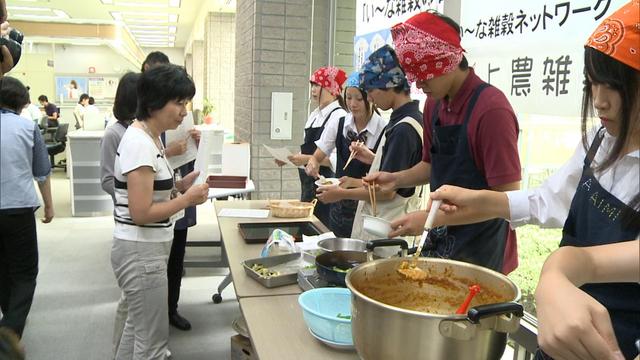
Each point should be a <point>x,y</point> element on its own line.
<point>75,301</point>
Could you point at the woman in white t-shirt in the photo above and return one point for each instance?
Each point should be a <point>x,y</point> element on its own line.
<point>147,202</point>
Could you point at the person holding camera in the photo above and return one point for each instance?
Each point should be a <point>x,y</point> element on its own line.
<point>10,42</point>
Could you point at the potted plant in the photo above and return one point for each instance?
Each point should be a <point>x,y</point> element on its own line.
<point>207,110</point>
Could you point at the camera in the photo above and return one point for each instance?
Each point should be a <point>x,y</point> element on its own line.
<point>13,42</point>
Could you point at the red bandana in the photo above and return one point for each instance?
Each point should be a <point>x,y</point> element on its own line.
<point>330,78</point>
<point>427,46</point>
<point>619,35</point>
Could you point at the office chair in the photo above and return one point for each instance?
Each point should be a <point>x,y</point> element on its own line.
<point>58,146</point>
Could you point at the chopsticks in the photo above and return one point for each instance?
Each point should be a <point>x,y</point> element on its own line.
<point>352,155</point>
<point>372,196</point>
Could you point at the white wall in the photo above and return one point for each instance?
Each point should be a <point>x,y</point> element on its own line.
<point>75,59</point>
<point>176,55</point>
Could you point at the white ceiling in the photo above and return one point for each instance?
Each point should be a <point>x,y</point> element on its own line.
<point>153,23</point>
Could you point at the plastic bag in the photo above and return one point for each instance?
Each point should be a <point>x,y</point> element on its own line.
<point>279,243</point>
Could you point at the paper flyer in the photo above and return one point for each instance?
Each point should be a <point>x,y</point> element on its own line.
<point>181,133</point>
<point>281,154</point>
<point>207,145</point>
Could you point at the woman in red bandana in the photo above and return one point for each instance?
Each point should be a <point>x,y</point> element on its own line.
<point>326,87</point>
<point>470,140</point>
<point>588,296</point>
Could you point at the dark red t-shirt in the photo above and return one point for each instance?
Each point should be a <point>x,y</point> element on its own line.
<point>492,133</point>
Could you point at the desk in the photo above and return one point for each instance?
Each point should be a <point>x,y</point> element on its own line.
<point>278,331</point>
<point>237,250</point>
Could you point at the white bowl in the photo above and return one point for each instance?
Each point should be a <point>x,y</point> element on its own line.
<point>376,226</point>
<point>328,182</point>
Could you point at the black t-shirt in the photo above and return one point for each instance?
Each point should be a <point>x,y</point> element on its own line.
<point>50,109</point>
<point>403,147</point>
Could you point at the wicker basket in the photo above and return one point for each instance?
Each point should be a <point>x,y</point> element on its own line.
<point>292,208</point>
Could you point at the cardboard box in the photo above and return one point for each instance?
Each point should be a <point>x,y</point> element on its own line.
<point>241,348</point>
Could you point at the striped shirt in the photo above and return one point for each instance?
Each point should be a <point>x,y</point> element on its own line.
<point>137,149</point>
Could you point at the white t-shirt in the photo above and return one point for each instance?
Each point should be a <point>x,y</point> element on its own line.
<point>373,130</point>
<point>137,149</point>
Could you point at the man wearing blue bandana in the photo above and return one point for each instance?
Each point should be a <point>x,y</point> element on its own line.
<point>401,144</point>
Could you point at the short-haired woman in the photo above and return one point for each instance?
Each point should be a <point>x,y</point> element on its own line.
<point>147,201</point>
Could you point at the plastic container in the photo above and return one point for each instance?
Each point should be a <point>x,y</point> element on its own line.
<point>376,226</point>
<point>320,309</point>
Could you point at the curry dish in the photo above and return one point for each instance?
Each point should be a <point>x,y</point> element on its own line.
<point>440,293</point>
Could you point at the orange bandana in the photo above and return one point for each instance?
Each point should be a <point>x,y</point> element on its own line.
<point>619,35</point>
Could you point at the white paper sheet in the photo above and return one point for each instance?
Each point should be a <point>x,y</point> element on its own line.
<point>181,133</point>
<point>244,213</point>
<point>207,144</point>
<point>281,154</point>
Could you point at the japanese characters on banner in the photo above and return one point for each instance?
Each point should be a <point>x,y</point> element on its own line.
<point>374,18</point>
<point>533,50</point>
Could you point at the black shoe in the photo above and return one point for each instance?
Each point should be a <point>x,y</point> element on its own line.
<point>179,322</point>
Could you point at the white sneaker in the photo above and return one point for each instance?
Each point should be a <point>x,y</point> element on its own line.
<point>168,354</point>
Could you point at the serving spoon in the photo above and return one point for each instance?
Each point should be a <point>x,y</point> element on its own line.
<point>411,270</point>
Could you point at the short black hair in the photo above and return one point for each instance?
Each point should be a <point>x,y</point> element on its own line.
<point>155,58</point>
<point>401,89</point>
<point>13,95</point>
<point>91,100</point>
<point>43,98</point>
<point>126,101</point>
<point>161,84</point>
<point>83,97</point>
<point>464,63</point>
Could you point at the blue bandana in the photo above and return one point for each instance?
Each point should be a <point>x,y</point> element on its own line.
<point>353,80</point>
<point>382,71</point>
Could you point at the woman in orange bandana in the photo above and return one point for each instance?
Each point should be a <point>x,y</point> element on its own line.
<point>588,298</point>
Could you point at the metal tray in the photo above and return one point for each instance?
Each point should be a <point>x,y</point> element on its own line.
<point>286,278</point>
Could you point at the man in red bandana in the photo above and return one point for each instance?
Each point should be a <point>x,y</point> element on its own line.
<point>470,140</point>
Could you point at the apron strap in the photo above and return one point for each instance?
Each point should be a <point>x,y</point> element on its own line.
<point>472,102</point>
<point>593,149</point>
<point>329,115</point>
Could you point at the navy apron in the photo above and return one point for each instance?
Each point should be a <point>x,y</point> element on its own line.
<point>452,163</point>
<point>307,183</point>
<point>343,212</point>
<point>595,219</point>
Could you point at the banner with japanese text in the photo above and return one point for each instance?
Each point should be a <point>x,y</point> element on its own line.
<point>533,50</point>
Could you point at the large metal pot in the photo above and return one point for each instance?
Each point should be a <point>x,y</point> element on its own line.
<point>384,331</point>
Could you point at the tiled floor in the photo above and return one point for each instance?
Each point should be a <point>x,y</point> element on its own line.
<point>74,306</point>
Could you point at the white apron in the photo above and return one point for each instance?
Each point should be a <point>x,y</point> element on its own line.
<point>391,209</point>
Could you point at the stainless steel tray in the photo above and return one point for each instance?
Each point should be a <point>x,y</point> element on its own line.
<point>285,278</point>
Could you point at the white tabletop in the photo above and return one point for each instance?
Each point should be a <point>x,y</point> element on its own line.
<point>222,192</point>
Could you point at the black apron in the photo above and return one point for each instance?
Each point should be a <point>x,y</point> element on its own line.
<point>343,212</point>
<point>452,164</point>
<point>307,183</point>
<point>595,219</point>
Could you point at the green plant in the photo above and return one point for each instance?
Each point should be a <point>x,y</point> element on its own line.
<point>208,107</point>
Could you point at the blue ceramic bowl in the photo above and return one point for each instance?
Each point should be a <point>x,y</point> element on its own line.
<point>321,307</point>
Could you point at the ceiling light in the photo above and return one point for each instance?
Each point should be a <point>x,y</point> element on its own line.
<point>147,27</point>
<point>174,3</point>
<point>28,8</point>
<point>116,15</point>
<point>172,44</point>
<point>61,14</point>
<point>172,29</point>
<point>147,21</point>
<point>139,4</point>
<point>152,38</point>
<point>107,1</point>
<point>173,18</point>
<point>172,38</point>
<point>148,32</point>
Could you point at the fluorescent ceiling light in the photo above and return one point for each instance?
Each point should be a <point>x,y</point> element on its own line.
<point>107,1</point>
<point>61,14</point>
<point>172,29</point>
<point>172,38</point>
<point>116,15</point>
<point>28,8</point>
<point>140,4</point>
<point>149,32</point>
<point>172,44</point>
<point>147,21</point>
<point>147,27</point>
<point>152,38</point>
<point>173,18</point>
<point>174,3</point>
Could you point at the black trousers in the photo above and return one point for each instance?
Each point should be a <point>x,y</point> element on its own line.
<point>175,267</point>
<point>18,267</point>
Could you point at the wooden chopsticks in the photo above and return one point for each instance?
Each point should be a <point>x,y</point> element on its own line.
<point>353,154</point>
<point>372,196</point>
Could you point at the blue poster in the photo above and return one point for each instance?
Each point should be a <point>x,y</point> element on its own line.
<point>365,44</point>
<point>69,88</point>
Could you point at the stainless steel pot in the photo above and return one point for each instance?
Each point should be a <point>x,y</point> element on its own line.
<point>383,331</point>
<point>335,244</point>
